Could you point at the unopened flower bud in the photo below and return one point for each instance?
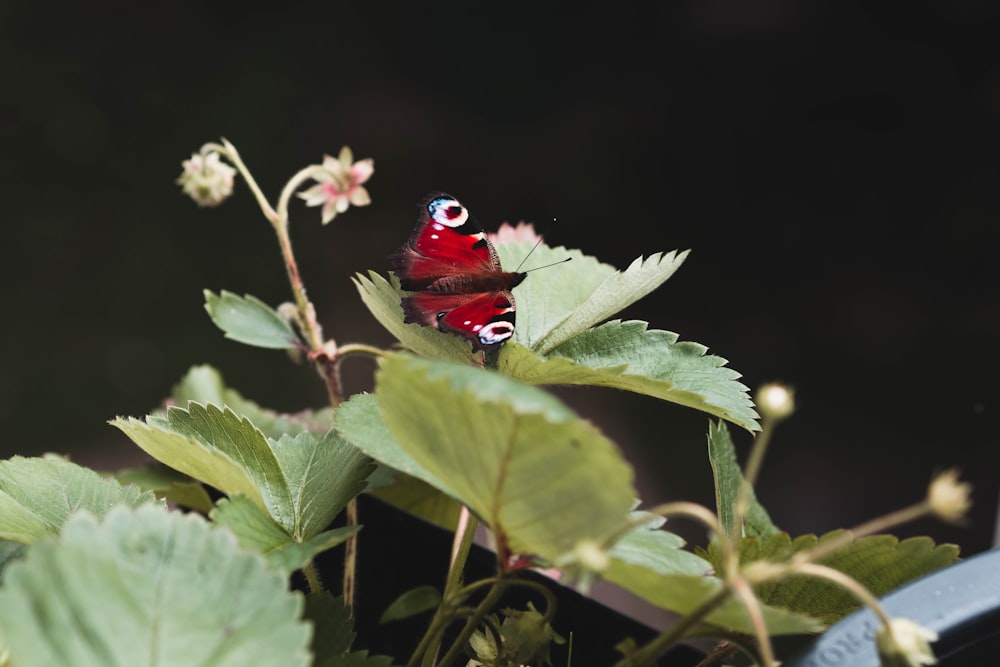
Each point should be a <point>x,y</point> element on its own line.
<point>949,498</point>
<point>590,555</point>
<point>905,644</point>
<point>206,179</point>
<point>775,401</point>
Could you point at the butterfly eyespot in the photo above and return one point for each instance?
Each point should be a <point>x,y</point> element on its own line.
<point>448,212</point>
<point>496,332</point>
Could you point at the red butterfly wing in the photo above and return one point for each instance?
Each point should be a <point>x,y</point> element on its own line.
<point>447,241</point>
<point>456,273</point>
<point>486,319</point>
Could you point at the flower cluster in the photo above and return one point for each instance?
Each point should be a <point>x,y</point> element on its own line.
<point>206,179</point>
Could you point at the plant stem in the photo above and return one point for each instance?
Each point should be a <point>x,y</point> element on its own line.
<point>312,577</point>
<point>751,472</point>
<point>654,649</point>
<point>350,557</point>
<point>324,355</point>
<point>465,533</point>
<point>491,599</point>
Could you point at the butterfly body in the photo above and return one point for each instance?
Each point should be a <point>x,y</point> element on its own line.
<point>455,272</point>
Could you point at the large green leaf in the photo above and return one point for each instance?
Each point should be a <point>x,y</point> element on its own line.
<point>539,476</point>
<point>38,494</point>
<point>249,320</point>
<point>204,384</point>
<point>256,531</point>
<point>728,481</point>
<point>881,563</point>
<point>406,484</point>
<point>627,355</point>
<point>658,550</point>
<point>384,301</point>
<point>359,421</point>
<point>549,297</point>
<point>302,481</point>
<point>149,587</point>
<point>570,298</point>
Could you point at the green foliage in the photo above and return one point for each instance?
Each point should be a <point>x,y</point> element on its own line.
<point>204,384</point>
<point>168,484</point>
<point>537,475</point>
<point>650,562</point>
<point>569,298</point>
<point>879,562</point>
<point>301,481</point>
<point>411,603</point>
<point>728,481</point>
<point>148,587</point>
<point>37,495</point>
<point>97,571</point>
<point>249,320</point>
<point>256,531</point>
<point>383,301</point>
<point>626,355</point>
<point>333,635</point>
<point>554,342</point>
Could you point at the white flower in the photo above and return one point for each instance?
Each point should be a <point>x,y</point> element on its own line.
<point>206,179</point>
<point>775,401</point>
<point>339,184</point>
<point>948,498</point>
<point>905,643</point>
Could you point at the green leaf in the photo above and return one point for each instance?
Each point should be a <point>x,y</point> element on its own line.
<point>728,481</point>
<point>149,587</point>
<point>215,447</point>
<point>322,475</point>
<point>333,631</point>
<point>684,593</point>
<point>168,484</point>
<point>383,299</point>
<point>38,494</point>
<point>881,563</point>
<point>549,298</point>
<point>256,531</point>
<point>411,603</point>
<point>651,563</point>
<point>541,478</point>
<point>402,481</point>
<point>577,295</point>
<point>658,550</point>
<point>302,481</point>
<point>334,634</point>
<point>204,384</point>
<point>249,320</point>
<point>626,355</point>
<point>10,552</point>
<point>421,499</point>
<point>359,421</point>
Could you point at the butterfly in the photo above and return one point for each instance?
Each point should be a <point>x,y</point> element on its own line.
<point>455,273</point>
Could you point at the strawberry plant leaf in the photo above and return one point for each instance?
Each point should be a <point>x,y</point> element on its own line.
<point>149,587</point>
<point>249,320</point>
<point>38,494</point>
<point>627,355</point>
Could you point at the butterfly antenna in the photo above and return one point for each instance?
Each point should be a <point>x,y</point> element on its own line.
<point>545,266</point>
<point>525,258</point>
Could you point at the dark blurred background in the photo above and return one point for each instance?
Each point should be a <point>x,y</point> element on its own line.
<point>833,165</point>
